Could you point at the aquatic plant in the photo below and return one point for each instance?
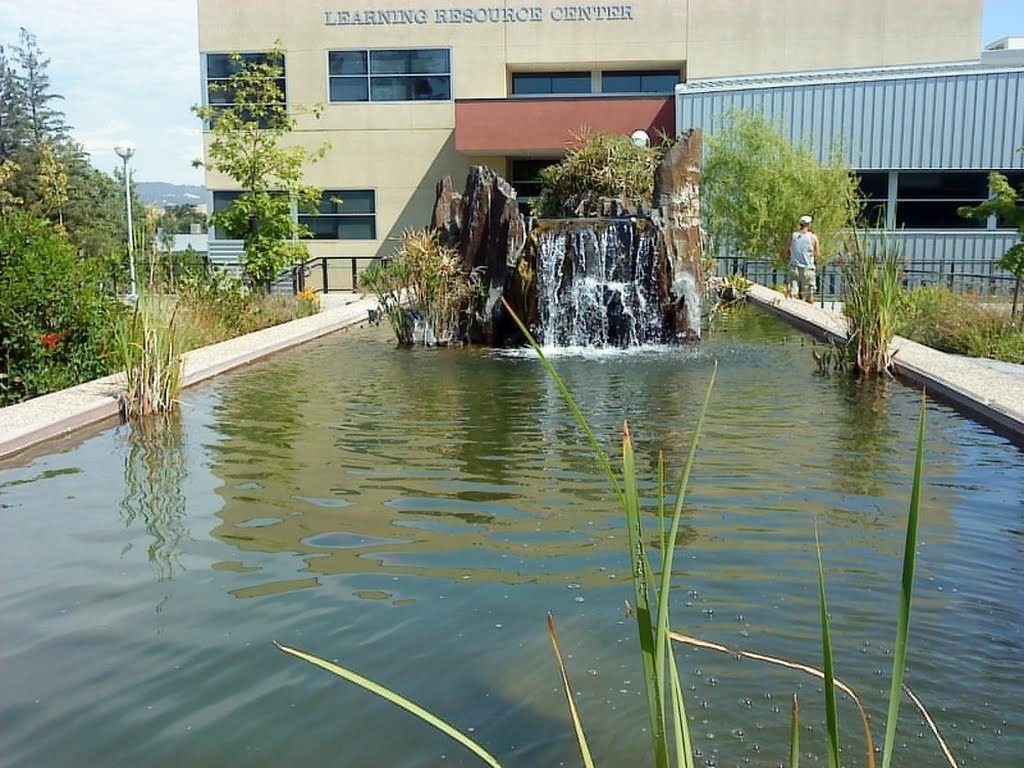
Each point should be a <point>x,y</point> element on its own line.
<point>424,281</point>
<point>668,722</point>
<point>150,356</point>
<point>872,271</point>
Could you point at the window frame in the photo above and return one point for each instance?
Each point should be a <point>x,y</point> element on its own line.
<point>642,73</point>
<point>369,76</point>
<point>920,202</point>
<point>207,79</point>
<point>339,216</point>
<point>550,76</point>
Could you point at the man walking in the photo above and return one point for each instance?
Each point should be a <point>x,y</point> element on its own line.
<point>804,252</point>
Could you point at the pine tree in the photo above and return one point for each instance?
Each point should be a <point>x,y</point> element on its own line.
<point>44,122</point>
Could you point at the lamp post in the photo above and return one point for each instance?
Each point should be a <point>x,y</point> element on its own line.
<point>125,149</point>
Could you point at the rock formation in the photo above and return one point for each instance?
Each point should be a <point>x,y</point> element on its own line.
<point>485,227</point>
<point>633,262</point>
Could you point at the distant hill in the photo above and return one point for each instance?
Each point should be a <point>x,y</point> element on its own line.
<point>162,194</point>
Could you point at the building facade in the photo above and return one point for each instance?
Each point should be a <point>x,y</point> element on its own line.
<point>416,91</point>
<point>923,139</point>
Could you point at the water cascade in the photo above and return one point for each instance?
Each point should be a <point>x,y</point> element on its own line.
<point>620,272</point>
<point>597,283</point>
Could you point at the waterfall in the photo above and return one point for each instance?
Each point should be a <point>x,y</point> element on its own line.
<point>598,284</point>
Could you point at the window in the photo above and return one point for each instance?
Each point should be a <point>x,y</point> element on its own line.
<point>221,202</point>
<point>929,199</point>
<point>418,74</point>
<point>650,81</point>
<point>221,66</point>
<point>343,214</point>
<point>874,191</point>
<point>549,83</point>
<point>524,174</point>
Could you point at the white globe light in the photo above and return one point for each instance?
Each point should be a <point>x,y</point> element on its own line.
<point>640,138</point>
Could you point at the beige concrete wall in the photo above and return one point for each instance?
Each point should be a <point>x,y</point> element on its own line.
<point>402,149</point>
<point>792,35</point>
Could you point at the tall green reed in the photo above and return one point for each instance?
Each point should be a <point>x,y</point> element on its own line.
<point>149,354</point>
<point>872,276</point>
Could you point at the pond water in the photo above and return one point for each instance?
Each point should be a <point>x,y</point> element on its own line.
<point>415,514</point>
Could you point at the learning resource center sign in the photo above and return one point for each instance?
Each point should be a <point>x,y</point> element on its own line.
<point>494,14</point>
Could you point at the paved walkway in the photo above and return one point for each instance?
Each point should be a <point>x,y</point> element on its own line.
<point>988,389</point>
<point>42,418</point>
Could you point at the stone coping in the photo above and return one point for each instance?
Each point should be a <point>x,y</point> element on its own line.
<point>34,421</point>
<point>994,393</point>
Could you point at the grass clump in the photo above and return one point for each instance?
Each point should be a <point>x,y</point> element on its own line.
<point>149,351</point>
<point>963,325</point>
<point>424,291</point>
<point>597,165</point>
<point>872,299</point>
<point>221,306</point>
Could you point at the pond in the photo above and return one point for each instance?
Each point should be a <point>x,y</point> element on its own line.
<point>414,514</point>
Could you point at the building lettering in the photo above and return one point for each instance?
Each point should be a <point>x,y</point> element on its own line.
<point>492,14</point>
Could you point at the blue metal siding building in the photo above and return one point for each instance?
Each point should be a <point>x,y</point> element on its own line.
<point>923,139</point>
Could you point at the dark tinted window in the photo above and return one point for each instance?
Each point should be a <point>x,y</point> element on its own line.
<point>343,214</point>
<point>415,74</point>
<point>644,81</point>
<point>534,84</point>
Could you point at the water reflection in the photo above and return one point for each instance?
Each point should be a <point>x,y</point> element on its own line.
<point>864,435</point>
<point>406,513</point>
<point>155,474</point>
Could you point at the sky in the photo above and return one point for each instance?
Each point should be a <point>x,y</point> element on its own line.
<point>129,69</point>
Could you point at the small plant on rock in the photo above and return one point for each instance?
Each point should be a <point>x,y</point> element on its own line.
<point>424,286</point>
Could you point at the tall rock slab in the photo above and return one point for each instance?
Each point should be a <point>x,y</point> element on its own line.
<point>484,226</point>
<point>676,212</point>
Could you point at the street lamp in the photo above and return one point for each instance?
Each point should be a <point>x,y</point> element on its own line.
<point>125,149</point>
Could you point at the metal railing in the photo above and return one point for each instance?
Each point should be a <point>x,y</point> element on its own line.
<point>329,274</point>
<point>978,276</point>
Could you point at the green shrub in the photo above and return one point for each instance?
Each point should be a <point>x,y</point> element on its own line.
<point>755,184</point>
<point>56,325</point>
<point>221,306</point>
<point>964,325</point>
<point>597,165</point>
<point>425,279</point>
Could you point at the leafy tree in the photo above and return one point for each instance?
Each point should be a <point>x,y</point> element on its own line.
<point>8,200</point>
<point>755,185</point>
<point>1003,204</point>
<point>52,183</point>
<point>248,147</point>
<point>178,219</point>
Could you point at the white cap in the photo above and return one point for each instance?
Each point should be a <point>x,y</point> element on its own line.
<point>806,219</point>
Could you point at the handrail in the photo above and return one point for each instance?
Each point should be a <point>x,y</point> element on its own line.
<point>323,264</point>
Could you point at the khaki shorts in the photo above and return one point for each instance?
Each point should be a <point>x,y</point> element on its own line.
<point>801,282</point>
